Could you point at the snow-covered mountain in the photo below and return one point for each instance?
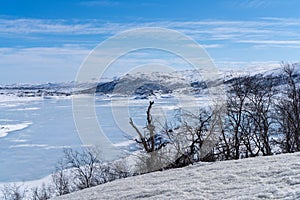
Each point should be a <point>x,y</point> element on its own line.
<point>274,177</point>
<point>146,84</point>
<point>183,82</point>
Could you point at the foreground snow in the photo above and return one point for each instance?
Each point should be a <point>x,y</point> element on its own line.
<point>274,177</point>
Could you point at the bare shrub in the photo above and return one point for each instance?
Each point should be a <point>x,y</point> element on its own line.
<point>42,193</point>
<point>120,169</point>
<point>13,192</point>
<point>61,179</point>
<point>84,167</point>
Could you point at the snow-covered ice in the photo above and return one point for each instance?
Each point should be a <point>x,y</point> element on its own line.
<point>5,129</point>
<point>273,177</point>
<point>25,109</point>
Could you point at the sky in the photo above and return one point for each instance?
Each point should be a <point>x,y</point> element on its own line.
<point>48,40</point>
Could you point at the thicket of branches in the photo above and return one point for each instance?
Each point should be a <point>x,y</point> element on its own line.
<point>262,118</point>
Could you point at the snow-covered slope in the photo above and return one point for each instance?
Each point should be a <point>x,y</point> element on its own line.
<point>184,82</point>
<point>274,177</point>
<point>146,83</point>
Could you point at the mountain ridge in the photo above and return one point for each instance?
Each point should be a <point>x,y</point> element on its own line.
<point>144,84</point>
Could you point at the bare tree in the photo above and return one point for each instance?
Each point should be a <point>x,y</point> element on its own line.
<point>196,133</point>
<point>288,112</point>
<point>193,141</point>
<point>151,144</point>
<point>248,125</point>
<point>230,141</point>
<point>61,179</point>
<point>147,139</point>
<point>259,109</point>
<point>84,167</point>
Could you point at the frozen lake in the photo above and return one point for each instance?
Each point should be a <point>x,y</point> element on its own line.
<point>41,128</point>
<point>31,152</point>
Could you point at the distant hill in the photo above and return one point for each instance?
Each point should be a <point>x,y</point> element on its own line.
<point>146,84</point>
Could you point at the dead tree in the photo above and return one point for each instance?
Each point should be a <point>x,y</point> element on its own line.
<point>147,139</point>
<point>150,143</point>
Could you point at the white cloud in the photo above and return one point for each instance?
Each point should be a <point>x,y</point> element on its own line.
<point>283,42</point>
<point>211,46</point>
<point>252,3</point>
<point>40,56</point>
<point>212,29</point>
<point>61,27</point>
<point>214,35</point>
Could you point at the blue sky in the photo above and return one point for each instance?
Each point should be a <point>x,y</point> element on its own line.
<point>47,40</point>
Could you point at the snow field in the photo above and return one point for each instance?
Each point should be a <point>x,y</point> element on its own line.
<point>273,177</point>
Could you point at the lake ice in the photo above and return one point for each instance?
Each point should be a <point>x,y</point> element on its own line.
<point>34,131</point>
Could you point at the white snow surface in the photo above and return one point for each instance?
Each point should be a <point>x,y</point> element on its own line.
<point>273,177</point>
<point>5,129</point>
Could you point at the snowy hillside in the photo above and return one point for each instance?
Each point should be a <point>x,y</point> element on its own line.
<point>274,177</point>
<point>183,82</point>
<point>144,84</point>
